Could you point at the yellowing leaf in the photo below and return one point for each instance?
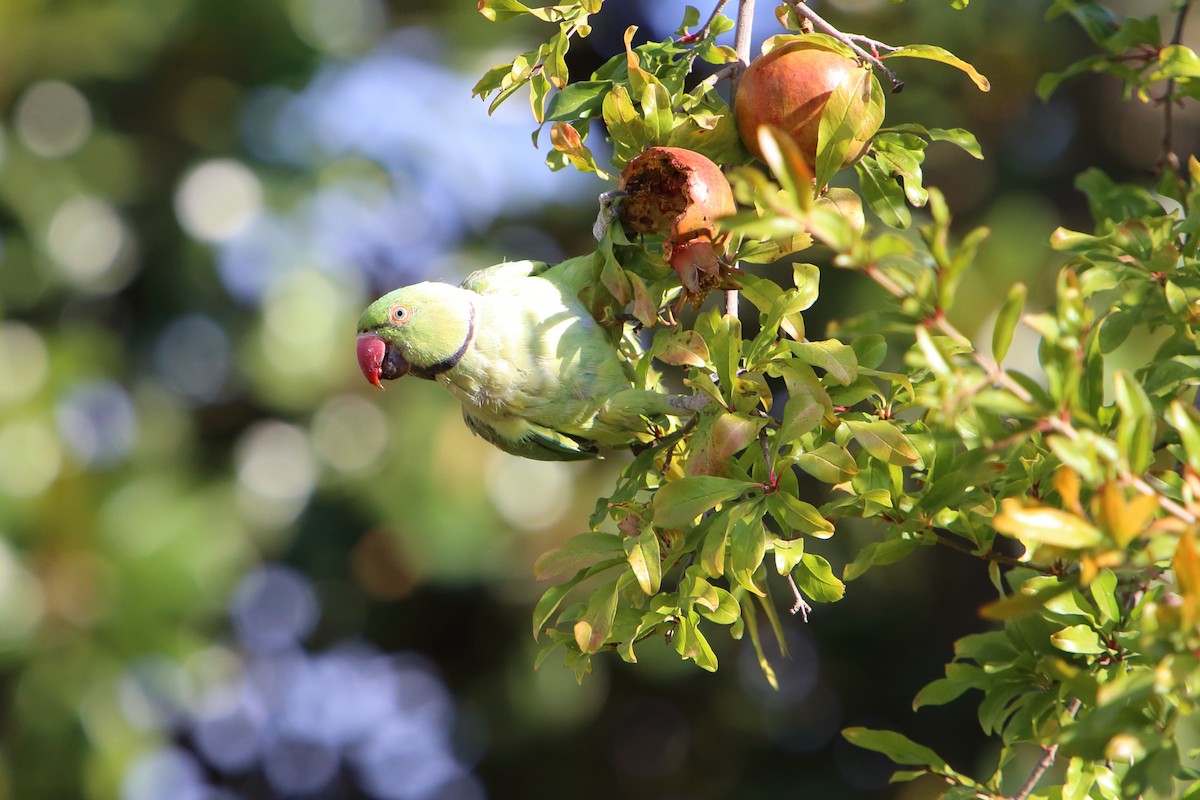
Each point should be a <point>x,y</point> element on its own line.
<point>1186,564</point>
<point>829,463</point>
<point>1123,519</point>
<point>883,440</point>
<point>684,348</point>
<point>1045,525</point>
<point>642,554</point>
<point>1078,639</point>
<point>592,630</point>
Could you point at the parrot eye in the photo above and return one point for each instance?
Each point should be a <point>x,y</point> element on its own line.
<point>400,314</point>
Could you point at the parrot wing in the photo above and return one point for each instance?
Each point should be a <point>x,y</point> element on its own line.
<point>537,442</point>
<point>571,276</point>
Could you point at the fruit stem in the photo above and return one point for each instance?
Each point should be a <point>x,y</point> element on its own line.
<point>850,41</point>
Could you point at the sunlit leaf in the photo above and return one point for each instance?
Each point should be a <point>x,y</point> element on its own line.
<point>816,580</point>
<point>575,552</point>
<point>1078,639</point>
<point>679,502</point>
<point>642,554</point>
<point>830,463</point>
<point>684,347</point>
<point>1045,525</point>
<point>934,53</point>
<point>897,747</point>
<point>883,440</point>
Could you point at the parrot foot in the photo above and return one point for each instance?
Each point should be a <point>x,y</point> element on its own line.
<point>610,210</point>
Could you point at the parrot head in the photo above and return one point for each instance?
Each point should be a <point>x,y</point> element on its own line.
<point>424,329</point>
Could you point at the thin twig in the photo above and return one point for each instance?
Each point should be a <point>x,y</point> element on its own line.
<point>702,31</point>
<point>850,41</point>
<point>800,606</point>
<point>994,371</point>
<point>742,37</point>
<point>1164,502</point>
<point>954,542</point>
<point>1168,148</point>
<point>1045,762</point>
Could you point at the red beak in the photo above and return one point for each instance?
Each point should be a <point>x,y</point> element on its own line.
<point>371,351</point>
<point>379,360</point>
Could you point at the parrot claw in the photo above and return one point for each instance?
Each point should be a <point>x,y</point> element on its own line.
<point>610,203</point>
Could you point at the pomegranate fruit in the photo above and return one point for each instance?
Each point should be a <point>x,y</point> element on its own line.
<point>679,194</point>
<point>789,87</point>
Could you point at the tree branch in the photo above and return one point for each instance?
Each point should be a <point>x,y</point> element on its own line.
<point>1045,762</point>
<point>742,39</point>
<point>955,542</point>
<point>850,41</point>
<point>1168,148</point>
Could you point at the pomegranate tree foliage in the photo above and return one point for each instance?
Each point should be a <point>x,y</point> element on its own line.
<point>1091,474</point>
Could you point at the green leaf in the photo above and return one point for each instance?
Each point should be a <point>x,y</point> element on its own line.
<point>879,554</point>
<point>691,643</point>
<point>884,441</point>
<point>1078,639</point>
<point>553,597</point>
<point>1136,427</point>
<point>726,612</point>
<point>829,463</point>
<point>788,553</point>
<point>787,164</point>
<point>626,128</point>
<point>579,100</point>
<point>815,578</point>
<point>897,747</point>
<point>575,552</point>
<point>716,541</point>
<point>841,122</point>
<point>836,358</point>
<point>1006,321</point>
<point>747,545</point>
<point>642,554</point>
<point>883,195</point>
<point>1184,420</point>
<point>799,417</point>
<point>795,514</point>
<point>939,693</point>
<point>870,350</point>
<point>958,136</point>
<point>934,53</point>
<point>750,616</point>
<point>1103,589</point>
<point>1116,327</point>
<point>656,111</point>
<point>501,10</point>
<point>678,503</point>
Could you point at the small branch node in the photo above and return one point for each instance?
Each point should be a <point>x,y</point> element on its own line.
<point>800,606</point>
<point>851,41</point>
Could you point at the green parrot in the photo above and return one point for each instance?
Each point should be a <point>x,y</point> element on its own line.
<point>537,376</point>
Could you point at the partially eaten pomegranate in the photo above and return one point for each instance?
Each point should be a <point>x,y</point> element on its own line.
<point>680,194</point>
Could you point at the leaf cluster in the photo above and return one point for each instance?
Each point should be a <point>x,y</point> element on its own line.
<point>1079,487</point>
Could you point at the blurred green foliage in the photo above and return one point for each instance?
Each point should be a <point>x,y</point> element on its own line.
<point>196,198</point>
